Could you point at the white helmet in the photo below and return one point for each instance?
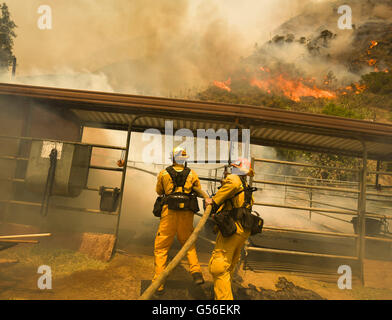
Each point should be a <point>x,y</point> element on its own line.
<point>179,155</point>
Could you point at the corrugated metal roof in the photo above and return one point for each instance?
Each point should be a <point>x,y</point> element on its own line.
<point>268,126</point>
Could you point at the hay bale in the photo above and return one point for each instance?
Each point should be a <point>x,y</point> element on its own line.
<point>97,245</point>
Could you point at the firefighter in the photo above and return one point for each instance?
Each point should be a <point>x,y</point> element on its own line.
<point>226,253</point>
<point>173,182</point>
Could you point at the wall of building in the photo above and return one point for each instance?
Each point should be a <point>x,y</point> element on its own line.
<point>25,117</point>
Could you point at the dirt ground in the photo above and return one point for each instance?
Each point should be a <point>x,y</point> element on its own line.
<point>79,277</point>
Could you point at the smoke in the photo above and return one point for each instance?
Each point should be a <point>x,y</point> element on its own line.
<point>139,192</point>
<point>176,48</point>
<point>304,49</point>
<point>64,78</point>
<point>148,47</point>
<point>163,47</point>
<point>382,11</point>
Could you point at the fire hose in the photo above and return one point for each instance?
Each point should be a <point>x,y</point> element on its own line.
<point>180,255</point>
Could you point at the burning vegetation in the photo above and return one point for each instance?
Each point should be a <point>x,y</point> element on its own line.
<point>309,64</point>
<point>323,70</point>
<point>280,84</point>
<point>356,79</point>
<point>296,86</point>
<point>224,85</point>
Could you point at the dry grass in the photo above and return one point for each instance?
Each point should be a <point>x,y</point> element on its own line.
<point>63,262</point>
<point>77,276</point>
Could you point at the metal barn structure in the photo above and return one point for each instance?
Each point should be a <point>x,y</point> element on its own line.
<point>52,115</point>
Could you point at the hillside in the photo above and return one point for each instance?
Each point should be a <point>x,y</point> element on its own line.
<point>311,65</point>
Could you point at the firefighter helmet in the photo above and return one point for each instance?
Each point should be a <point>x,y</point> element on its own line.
<point>179,155</point>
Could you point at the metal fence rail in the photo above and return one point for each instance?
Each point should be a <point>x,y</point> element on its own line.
<point>54,206</point>
<point>322,186</point>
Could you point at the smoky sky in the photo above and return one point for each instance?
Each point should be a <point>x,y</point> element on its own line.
<point>157,46</point>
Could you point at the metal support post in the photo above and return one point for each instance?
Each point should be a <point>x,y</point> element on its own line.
<point>123,177</point>
<point>362,214</point>
<point>310,203</point>
<point>377,174</point>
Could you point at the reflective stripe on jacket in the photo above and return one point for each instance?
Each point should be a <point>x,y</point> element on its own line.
<point>231,186</point>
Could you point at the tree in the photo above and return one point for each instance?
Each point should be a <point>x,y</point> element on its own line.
<point>7,36</point>
<point>378,82</point>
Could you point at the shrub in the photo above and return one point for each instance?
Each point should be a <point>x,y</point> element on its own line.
<point>378,82</point>
<point>333,109</point>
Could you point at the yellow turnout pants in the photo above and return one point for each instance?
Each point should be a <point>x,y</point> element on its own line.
<point>174,223</point>
<point>223,261</point>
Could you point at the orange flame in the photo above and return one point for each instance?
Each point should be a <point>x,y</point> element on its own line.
<point>223,84</point>
<point>356,88</point>
<point>373,43</point>
<point>261,84</point>
<point>293,89</point>
<point>359,88</point>
<point>372,62</point>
